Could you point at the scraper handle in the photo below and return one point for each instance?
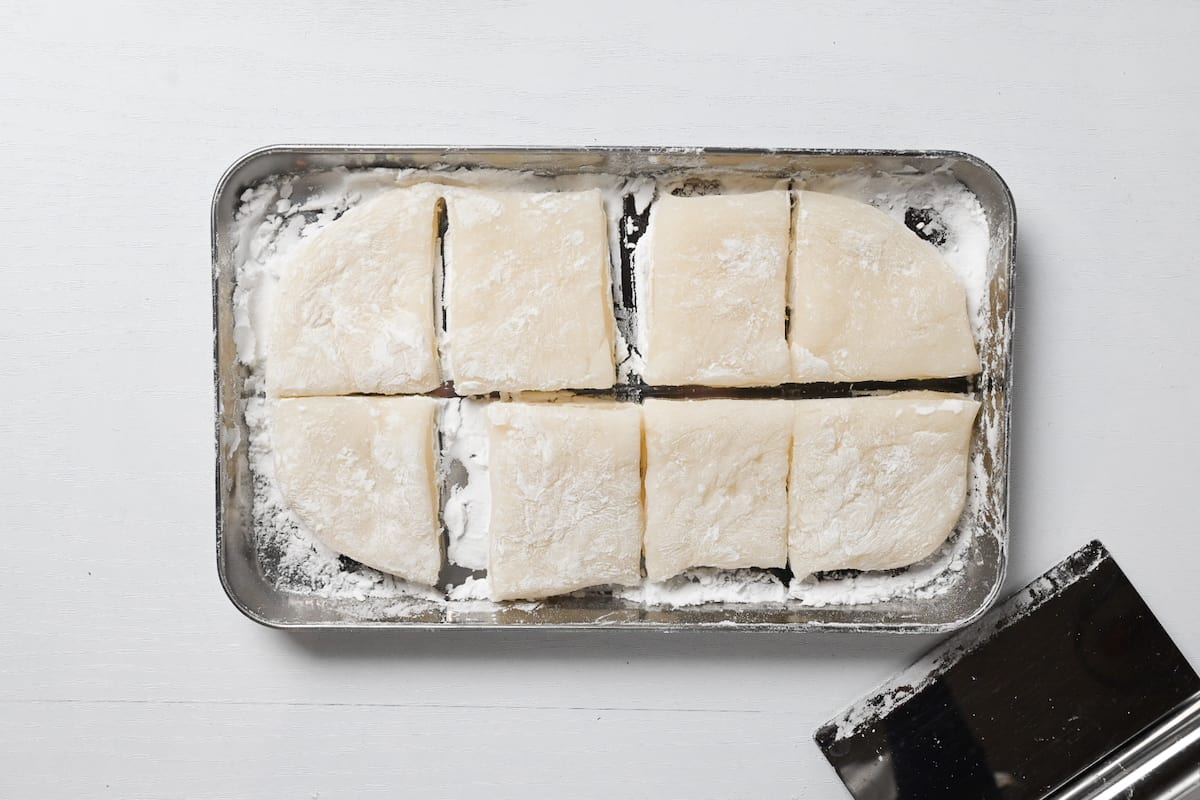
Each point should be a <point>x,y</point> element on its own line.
<point>1161,764</point>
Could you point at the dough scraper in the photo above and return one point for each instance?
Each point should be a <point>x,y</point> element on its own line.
<point>1071,689</point>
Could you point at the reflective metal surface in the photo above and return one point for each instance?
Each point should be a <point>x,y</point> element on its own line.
<point>1071,689</point>
<point>972,584</point>
<point>1162,763</point>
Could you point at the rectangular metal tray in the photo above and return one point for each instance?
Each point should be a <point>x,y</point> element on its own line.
<point>976,578</point>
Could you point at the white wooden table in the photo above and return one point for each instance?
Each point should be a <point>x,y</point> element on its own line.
<point>124,671</point>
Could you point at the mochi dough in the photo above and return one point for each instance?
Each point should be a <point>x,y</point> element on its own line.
<point>528,293</point>
<point>876,482</point>
<point>354,309</point>
<point>712,290</point>
<point>358,472</point>
<point>870,300</point>
<point>566,497</point>
<point>716,484</point>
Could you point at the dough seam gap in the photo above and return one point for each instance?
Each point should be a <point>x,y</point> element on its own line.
<point>787,270</point>
<point>437,393</point>
<point>814,391</point>
<point>631,227</point>
<point>441,225</point>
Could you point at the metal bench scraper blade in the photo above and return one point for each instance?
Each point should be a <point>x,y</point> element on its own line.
<point>1070,689</point>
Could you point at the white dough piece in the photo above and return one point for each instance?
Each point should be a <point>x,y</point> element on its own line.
<point>877,482</point>
<point>528,294</point>
<point>566,497</point>
<point>870,300</point>
<point>716,484</point>
<point>359,474</point>
<point>712,290</point>
<point>354,310</point>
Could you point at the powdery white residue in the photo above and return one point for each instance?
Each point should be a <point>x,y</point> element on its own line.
<point>465,482</point>
<point>951,406</point>
<point>810,364</point>
<point>953,205</point>
<point>925,579</point>
<point>706,585</point>
<point>473,596</point>
<point>471,589</point>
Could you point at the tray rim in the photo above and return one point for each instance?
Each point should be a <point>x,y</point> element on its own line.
<point>235,168</point>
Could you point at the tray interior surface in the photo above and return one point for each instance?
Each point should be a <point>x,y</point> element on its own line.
<point>967,591</point>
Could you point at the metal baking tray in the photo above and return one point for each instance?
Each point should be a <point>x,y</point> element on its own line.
<point>968,586</point>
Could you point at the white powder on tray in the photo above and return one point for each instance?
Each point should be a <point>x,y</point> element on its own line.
<point>467,496</point>
<point>269,224</point>
<point>706,585</point>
